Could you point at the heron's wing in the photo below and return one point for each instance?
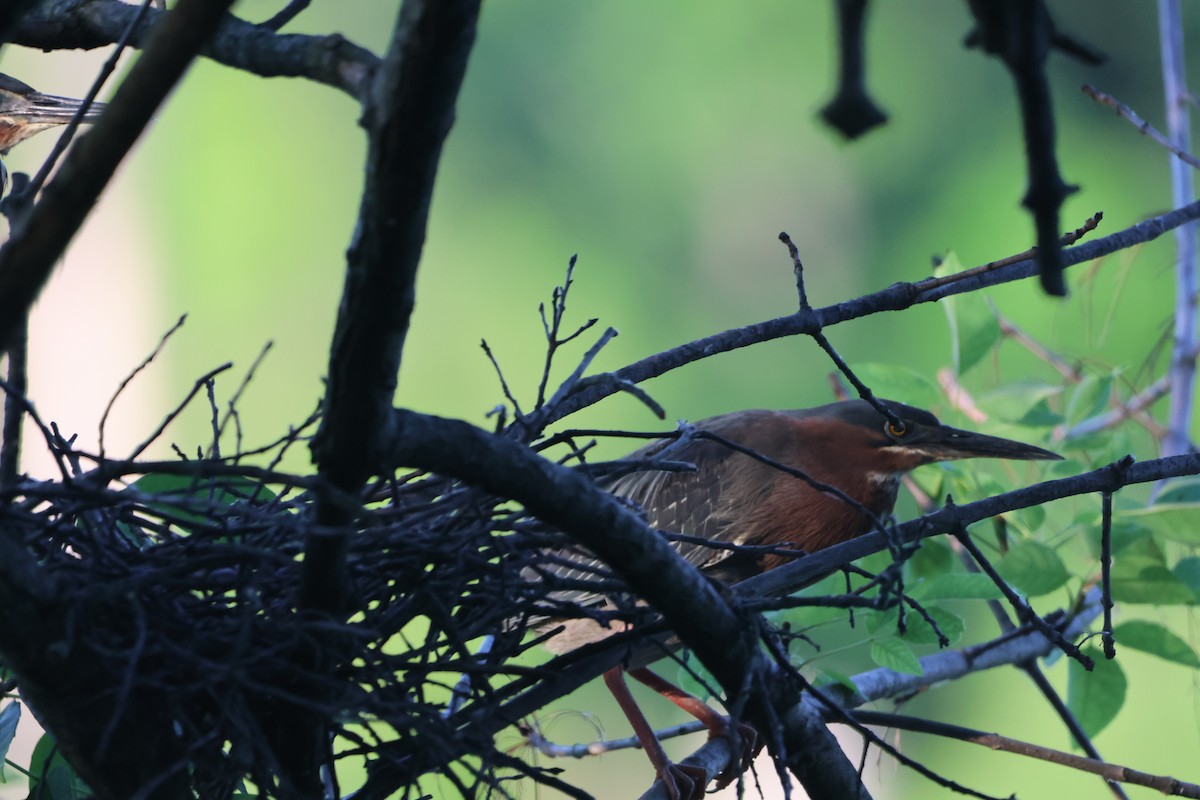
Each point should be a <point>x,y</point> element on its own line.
<point>709,503</point>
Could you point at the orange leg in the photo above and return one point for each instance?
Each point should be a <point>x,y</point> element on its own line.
<point>682,782</point>
<point>744,737</point>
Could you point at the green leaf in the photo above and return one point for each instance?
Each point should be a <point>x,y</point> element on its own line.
<point>1150,637</point>
<point>1029,520</point>
<point>974,329</point>
<point>1065,468</point>
<point>9,718</point>
<point>921,632</point>
<point>826,677</point>
<point>1095,697</point>
<point>1188,571</point>
<point>1127,537</point>
<point>1040,415</point>
<point>958,586</point>
<point>180,493</point>
<point>1091,397</point>
<point>51,777</point>
<point>932,559</point>
<point>1175,522</point>
<point>1146,579</point>
<point>1180,490</point>
<point>1013,400</point>
<point>898,383</point>
<point>893,654</point>
<point>1033,568</point>
<point>694,679</point>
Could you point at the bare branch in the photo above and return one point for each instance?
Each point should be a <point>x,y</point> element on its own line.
<point>895,298</point>
<point>331,60</point>
<point>1112,772</point>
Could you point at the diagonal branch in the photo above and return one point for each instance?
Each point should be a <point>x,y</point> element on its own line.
<point>897,297</point>
<point>43,233</point>
<point>408,113</point>
<point>1111,772</point>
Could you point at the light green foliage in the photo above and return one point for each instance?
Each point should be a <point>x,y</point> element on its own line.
<point>899,383</point>
<point>1173,522</point>
<point>894,654</point>
<point>1095,697</point>
<point>974,329</point>
<point>1033,568</point>
<point>51,777</point>
<point>189,503</point>
<point>1151,637</point>
<point>958,586</point>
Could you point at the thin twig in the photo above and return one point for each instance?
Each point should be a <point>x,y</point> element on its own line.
<point>1024,613</point>
<point>1144,127</point>
<point>1113,772</point>
<point>158,348</point>
<point>16,387</point>
<point>1106,635</point>
<point>1067,240</point>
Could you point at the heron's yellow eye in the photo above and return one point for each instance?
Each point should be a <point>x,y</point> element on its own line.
<point>897,429</point>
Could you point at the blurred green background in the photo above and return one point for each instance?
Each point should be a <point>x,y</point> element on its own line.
<point>667,144</point>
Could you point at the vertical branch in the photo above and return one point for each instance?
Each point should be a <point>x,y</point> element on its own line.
<point>1182,371</point>
<point>852,111</point>
<point>408,112</point>
<point>14,408</point>
<point>1110,650</point>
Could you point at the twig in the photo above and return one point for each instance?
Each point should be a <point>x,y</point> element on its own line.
<point>158,348</point>
<point>584,749</point>
<point>894,298</point>
<point>1034,672</point>
<point>959,398</point>
<point>1112,772</point>
<point>1067,240</point>
<point>1069,372</point>
<point>1127,410</point>
<point>1182,370</point>
<point>231,410</point>
<point>818,336</point>
<point>16,387</point>
<point>200,383</point>
<point>1106,634</point>
<point>1144,127</point>
<point>1024,613</point>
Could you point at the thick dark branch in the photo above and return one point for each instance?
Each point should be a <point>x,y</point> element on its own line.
<point>43,233</point>
<point>332,60</point>
<point>897,297</point>
<point>1021,34</point>
<point>408,113</point>
<point>724,639</point>
<point>852,111</point>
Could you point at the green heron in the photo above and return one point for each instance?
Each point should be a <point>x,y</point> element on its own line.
<point>25,111</point>
<point>745,507</point>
